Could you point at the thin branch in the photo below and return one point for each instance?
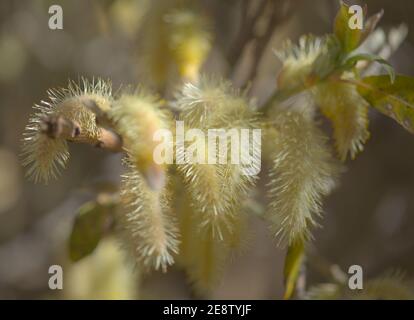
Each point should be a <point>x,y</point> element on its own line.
<point>60,127</point>
<point>301,282</point>
<point>246,31</point>
<point>277,17</point>
<point>261,42</point>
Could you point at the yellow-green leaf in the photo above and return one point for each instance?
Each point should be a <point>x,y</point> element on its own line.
<point>328,60</point>
<point>293,263</point>
<point>394,99</point>
<point>349,38</point>
<point>87,230</point>
<point>351,61</point>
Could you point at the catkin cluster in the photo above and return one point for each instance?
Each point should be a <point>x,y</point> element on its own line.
<point>304,66</point>
<point>193,209</point>
<point>157,224</point>
<point>66,116</point>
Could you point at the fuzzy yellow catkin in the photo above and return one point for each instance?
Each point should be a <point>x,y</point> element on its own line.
<point>207,263</point>
<point>298,60</point>
<point>348,112</point>
<point>155,59</point>
<point>215,188</point>
<point>137,117</point>
<point>188,40</point>
<point>340,102</point>
<point>302,172</point>
<point>45,156</point>
<point>202,258</point>
<point>175,39</point>
<point>146,222</point>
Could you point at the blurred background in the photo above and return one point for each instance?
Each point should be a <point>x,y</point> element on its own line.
<point>369,219</point>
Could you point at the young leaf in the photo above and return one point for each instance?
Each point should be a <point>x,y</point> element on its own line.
<point>349,38</point>
<point>293,263</point>
<point>394,99</point>
<point>352,61</point>
<point>328,60</point>
<point>87,230</point>
<point>353,38</point>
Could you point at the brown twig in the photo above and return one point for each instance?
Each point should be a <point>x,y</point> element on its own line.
<point>277,17</point>
<point>57,126</point>
<point>246,31</point>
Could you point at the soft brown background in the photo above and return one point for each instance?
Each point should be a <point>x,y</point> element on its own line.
<point>369,220</point>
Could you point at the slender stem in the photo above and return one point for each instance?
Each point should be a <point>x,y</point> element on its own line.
<point>60,127</point>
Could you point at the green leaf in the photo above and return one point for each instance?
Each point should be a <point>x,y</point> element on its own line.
<point>293,263</point>
<point>328,60</point>
<point>349,38</point>
<point>87,230</point>
<point>394,99</point>
<point>352,61</point>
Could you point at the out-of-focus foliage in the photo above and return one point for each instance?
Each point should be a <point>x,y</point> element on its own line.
<point>90,225</point>
<point>394,99</point>
<point>176,41</point>
<point>387,287</point>
<point>105,274</point>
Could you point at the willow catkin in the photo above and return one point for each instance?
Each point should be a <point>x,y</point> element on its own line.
<point>43,155</point>
<point>137,117</point>
<point>348,112</point>
<point>155,58</point>
<point>202,257</point>
<point>146,221</point>
<point>189,40</point>
<point>207,263</point>
<point>302,172</point>
<point>298,60</point>
<point>340,102</point>
<point>176,40</point>
<point>215,187</point>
